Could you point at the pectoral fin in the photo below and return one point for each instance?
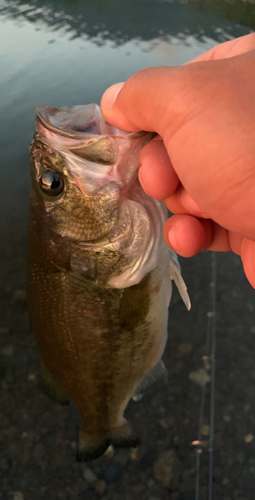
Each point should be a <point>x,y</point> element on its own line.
<point>175,272</point>
<point>157,377</point>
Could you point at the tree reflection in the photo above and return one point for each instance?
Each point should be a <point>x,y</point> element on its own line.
<point>120,21</point>
<point>240,11</point>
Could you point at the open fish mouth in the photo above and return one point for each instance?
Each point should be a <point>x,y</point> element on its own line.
<point>73,121</point>
<point>95,151</point>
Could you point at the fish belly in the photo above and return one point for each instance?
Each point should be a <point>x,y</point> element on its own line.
<point>97,343</point>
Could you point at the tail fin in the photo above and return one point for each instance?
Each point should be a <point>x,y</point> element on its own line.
<point>124,436</point>
<point>90,448</point>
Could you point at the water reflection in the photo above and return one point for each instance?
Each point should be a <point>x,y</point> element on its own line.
<point>241,11</point>
<point>122,21</point>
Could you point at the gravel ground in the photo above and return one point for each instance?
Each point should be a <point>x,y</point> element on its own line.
<point>38,437</point>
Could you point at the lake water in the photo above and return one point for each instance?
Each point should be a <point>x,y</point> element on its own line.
<point>68,52</point>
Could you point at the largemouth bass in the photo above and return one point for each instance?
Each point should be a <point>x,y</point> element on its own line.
<point>99,272</point>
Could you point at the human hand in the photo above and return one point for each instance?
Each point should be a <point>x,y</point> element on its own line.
<point>203,162</point>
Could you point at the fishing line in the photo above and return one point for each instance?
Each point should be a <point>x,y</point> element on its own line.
<point>209,364</point>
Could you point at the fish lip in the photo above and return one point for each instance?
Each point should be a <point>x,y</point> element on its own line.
<point>39,108</point>
<point>95,114</point>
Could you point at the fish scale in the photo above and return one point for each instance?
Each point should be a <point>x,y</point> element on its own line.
<point>99,272</point>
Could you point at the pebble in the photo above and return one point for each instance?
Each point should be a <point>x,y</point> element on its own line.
<point>39,451</point>
<point>249,438</point>
<point>200,376</point>
<point>4,330</point>
<point>19,296</point>
<point>113,473</point>
<point>178,367</point>
<point>225,481</point>
<point>166,468</point>
<point>138,488</point>
<point>10,431</point>
<point>148,459</point>
<point>164,423</point>
<point>240,457</point>
<point>89,475</point>
<point>17,495</point>
<point>121,456</point>
<point>7,351</point>
<point>134,454</point>
<point>100,486</point>
<point>227,418</point>
<point>24,484</point>
<point>185,348</point>
<point>205,430</point>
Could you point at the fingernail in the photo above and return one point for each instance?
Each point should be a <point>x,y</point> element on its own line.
<point>110,95</point>
<point>172,238</point>
<point>190,204</point>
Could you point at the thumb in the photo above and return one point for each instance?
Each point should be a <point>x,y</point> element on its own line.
<point>141,102</point>
<point>248,259</point>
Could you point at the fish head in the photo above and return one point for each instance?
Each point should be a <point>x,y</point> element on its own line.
<point>80,168</point>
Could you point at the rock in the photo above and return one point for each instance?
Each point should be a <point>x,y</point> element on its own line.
<point>138,489</point>
<point>164,423</point>
<point>11,431</point>
<point>39,451</point>
<point>17,495</point>
<point>166,468</point>
<point>178,367</point>
<point>185,348</point>
<point>89,475</point>
<point>24,484</point>
<point>7,351</point>
<point>100,487</point>
<point>205,430</point>
<point>225,481</point>
<point>121,456</point>
<point>113,473</point>
<point>4,330</point>
<point>200,376</point>
<point>240,457</point>
<point>19,296</point>
<point>134,454</point>
<point>148,459</point>
<point>227,418</point>
<point>249,438</point>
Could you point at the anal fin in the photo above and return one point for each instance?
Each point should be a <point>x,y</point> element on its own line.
<point>157,377</point>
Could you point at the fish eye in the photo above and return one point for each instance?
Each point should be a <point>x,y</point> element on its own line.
<point>52,183</point>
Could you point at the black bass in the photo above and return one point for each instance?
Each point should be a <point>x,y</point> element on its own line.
<point>99,271</point>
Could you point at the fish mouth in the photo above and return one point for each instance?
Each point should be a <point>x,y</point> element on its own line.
<point>73,121</point>
<point>77,122</point>
<point>95,152</point>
